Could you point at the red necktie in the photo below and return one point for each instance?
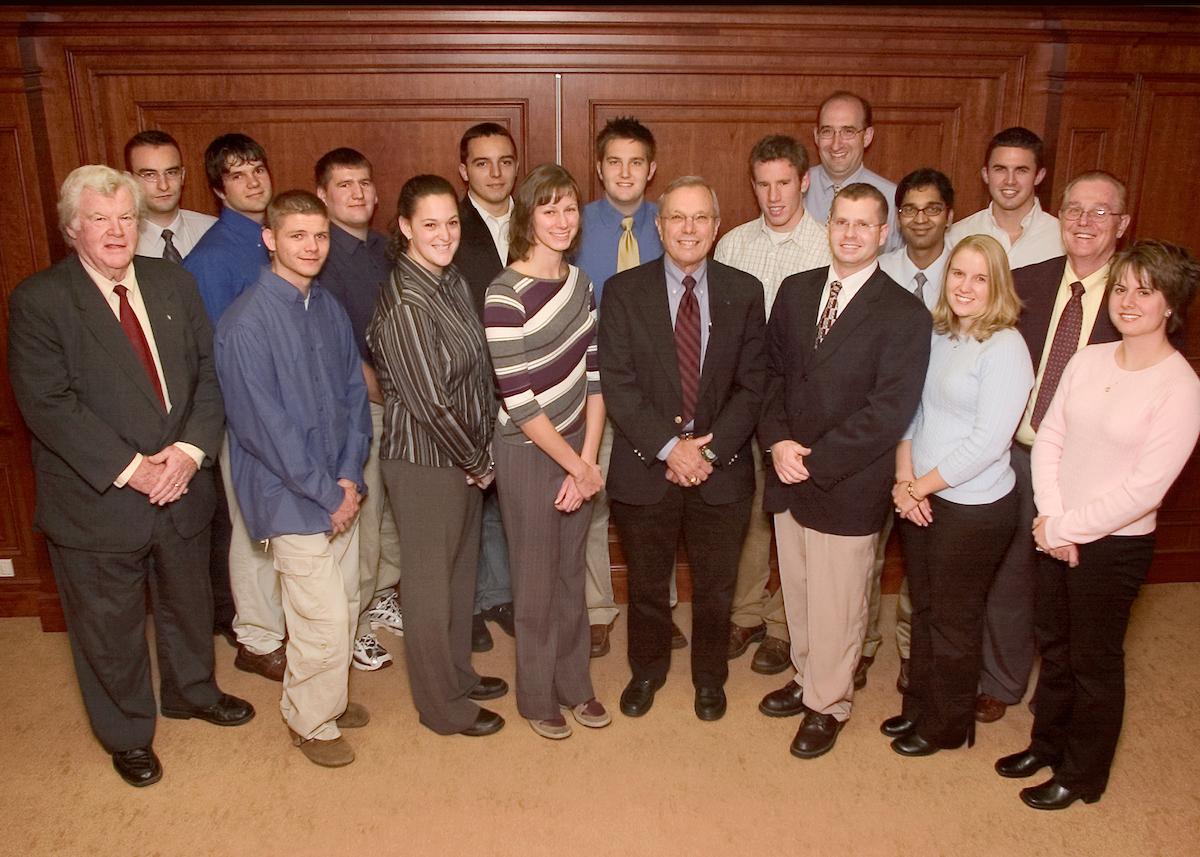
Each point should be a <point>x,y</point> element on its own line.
<point>137,339</point>
<point>1064,345</point>
<point>687,348</point>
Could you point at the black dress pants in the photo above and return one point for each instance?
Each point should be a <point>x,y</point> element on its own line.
<point>950,565</point>
<point>1080,620</point>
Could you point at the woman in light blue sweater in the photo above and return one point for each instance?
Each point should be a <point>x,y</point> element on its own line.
<point>955,491</point>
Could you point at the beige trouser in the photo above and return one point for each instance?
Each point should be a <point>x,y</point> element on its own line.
<point>903,603</point>
<point>258,623</point>
<point>752,603</point>
<point>320,598</point>
<point>824,579</point>
<point>598,588</point>
<point>378,544</point>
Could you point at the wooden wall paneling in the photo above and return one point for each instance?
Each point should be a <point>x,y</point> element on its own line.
<point>1096,128</point>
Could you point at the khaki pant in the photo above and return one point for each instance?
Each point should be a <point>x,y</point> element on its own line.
<point>824,580</point>
<point>903,604</point>
<point>259,622</point>
<point>378,544</point>
<point>752,603</point>
<point>320,599</point>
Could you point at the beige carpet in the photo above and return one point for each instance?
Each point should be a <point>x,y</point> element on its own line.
<point>666,784</point>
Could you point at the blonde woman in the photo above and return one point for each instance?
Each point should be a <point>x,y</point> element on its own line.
<point>955,492</point>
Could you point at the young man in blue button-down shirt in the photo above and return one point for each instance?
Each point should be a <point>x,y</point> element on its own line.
<point>299,433</point>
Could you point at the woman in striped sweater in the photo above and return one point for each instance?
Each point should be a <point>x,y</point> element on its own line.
<point>540,319</point>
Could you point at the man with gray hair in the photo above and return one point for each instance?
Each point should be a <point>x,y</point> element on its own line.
<point>682,371</point>
<point>110,359</point>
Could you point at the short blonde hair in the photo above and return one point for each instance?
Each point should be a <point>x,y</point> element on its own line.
<point>1003,305</point>
<point>102,179</point>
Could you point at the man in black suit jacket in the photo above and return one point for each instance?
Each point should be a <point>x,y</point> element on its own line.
<point>1045,289</point>
<point>683,416</point>
<point>111,363</point>
<point>847,349</point>
<point>488,164</point>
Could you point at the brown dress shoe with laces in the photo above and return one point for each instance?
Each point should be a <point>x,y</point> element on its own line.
<point>271,665</point>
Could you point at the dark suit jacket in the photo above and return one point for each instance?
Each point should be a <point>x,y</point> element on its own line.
<point>90,405</point>
<point>639,376</point>
<point>1037,287</point>
<point>476,257</point>
<point>849,400</point>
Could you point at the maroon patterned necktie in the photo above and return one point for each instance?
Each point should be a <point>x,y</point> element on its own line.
<point>137,338</point>
<point>687,348</point>
<point>829,314</point>
<point>1065,344</point>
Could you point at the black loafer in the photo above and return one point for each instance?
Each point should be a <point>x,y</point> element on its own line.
<point>138,767</point>
<point>489,687</point>
<point>897,727</point>
<point>481,637</point>
<point>226,711</point>
<point>486,723</point>
<point>913,744</point>
<point>710,703</point>
<point>816,735</point>
<point>1054,795</point>
<point>1023,764</point>
<point>502,615</point>
<point>788,701</point>
<point>638,696</point>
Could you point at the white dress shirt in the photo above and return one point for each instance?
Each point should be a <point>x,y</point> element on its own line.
<point>187,228</point>
<point>851,286</point>
<point>1040,239</point>
<point>903,270</point>
<point>497,226</point>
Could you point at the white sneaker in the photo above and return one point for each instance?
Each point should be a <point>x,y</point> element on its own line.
<point>369,655</point>
<point>386,614</point>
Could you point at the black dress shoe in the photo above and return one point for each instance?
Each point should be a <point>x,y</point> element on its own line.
<point>486,723</point>
<point>913,744</point>
<point>138,767</point>
<point>1023,764</point>
<point>788,701</point>
<point>860,671</point>
<point>1054,795</point>
<point>638,696</point>
<point>502,615</point>
<point>896,727</point>
<point>816,735</point>
<point>489,687</point>
<point>710,703</point>
<point>226,711</point>
<point>481,637</point>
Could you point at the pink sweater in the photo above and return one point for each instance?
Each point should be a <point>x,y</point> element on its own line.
<point>1111,444</point>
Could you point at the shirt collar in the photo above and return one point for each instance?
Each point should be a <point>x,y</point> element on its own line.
<point>827,181</point>
<point>609,214</point>
<point>856,279</point>
<point>280,288</point>
<point>343,240</point>
<point>152,229</point>
<point>241,224</point>
<point>1098,279</point>
<point>414,273</point>
<point>1029,217</point>
<point>105,285</point>
<point>675,274</point>
<point>768,231</point>
<point>487,215</point>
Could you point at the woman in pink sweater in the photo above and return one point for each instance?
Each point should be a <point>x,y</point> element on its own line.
<point>1120,428</point>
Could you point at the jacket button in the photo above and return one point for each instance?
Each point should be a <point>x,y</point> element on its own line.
<point>678,420</point>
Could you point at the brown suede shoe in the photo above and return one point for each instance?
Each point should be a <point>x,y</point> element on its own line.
<point>271,665</point>
<point>988,709</point>
<point>328,754</point>
<point>773,656</point>
<point>354,717</point>
<point>599,641</point>
<point>740,638</point>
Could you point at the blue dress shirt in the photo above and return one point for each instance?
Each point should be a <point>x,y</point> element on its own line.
<point>597,254</point>
<point>227,260</point>
<point>354,272</point>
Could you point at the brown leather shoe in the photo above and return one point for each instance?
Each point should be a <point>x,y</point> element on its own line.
<point>599,641</point>
<point>988,709</point>
<point>773,656</point>
<point>678,639</point>
<point>860,671</point>
<point>740,638</point>
<point>271,665</point>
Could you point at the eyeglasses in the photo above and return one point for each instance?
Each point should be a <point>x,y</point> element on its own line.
<point>845,133</point>
<point>698,221</point>
<point>172,175</point>
<point>934,209</point>
<point>1076,212</point>
<point>841,224</point>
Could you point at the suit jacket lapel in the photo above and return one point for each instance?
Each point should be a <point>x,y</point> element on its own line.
<point>99,318</point>
<point>847,320</point>
<point>475,231</point>
<point>165,317</point>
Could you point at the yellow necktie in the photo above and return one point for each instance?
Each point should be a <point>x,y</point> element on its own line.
<point>627,247</point>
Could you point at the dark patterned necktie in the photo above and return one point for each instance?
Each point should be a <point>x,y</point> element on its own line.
<point>1064,345</point>
<point>829,314</point>
<point>687,348</point>
<point>921,281</point>
<point>137,338</point>
<point>170,253</point>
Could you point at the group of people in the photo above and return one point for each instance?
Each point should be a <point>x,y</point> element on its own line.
<point>464,406</point>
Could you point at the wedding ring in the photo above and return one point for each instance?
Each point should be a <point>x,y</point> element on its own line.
<point>694,480</point>
<point>177,484</point>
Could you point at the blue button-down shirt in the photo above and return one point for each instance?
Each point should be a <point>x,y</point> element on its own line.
<point>296,406</point>
<point>597,254</point>
<point>227,260</point>
<point>353,273</point>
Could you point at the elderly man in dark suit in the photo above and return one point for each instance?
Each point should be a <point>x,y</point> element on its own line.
<point>847,349</point>
<point>111,364</point>
<point>681,366</point>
